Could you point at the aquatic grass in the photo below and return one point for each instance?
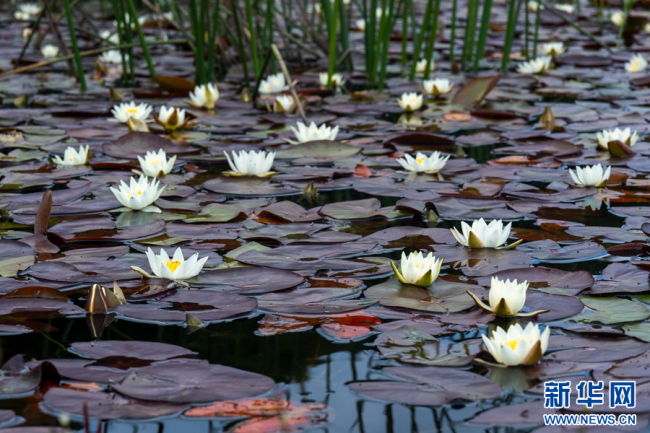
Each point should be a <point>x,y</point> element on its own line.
<point>431,42</point>
<point>386,27</point>
<point>482,37</point>
<point>214,30</point>
<point>239,36</point>
<point>452,38</point>
<point>420,39</point>
<point>253,38</point>
<point>513,10</point>
<point>143,42</point>
<point>333,23</point>
<point>536,35</point>
<point>75,46</point>
<point>470,33</point>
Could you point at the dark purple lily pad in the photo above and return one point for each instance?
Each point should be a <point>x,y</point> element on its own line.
<point>180,381</point>
<point>247,280</point>
<point>428,386</point>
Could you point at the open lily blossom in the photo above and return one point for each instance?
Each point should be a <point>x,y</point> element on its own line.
<point>175,268</point>
<point>533,5</point>
<point>50,51</point>
<point>553,48</point>
<point>417,269</point>
<point>437,86</point>
<point>590,176</point>
<point>483,235</point>
<point>506,298</point>
<point>565,8</point>
<point>250,163</point>
<point>112,57</point>
<point>537,66</point>
<point>421,66</point>
<point>73,156</point>
<point>170,118</point>
<point>112,37</point>
<point>617,18</point>
<point>361,24</point>
<point>518,346</point>
<point>204,96</point>
<point>337,79</point>
<point>27,32</point>
<point>30,8</point>
<point>156,164</point>
<point>626,136</point>
<point>312,132</point>
<point>283,104</point>
<point>424,164</point>
<point>637,63</point>
<point>274,83</point>
<point>126,110</point>
<point>139,194</point>
<point>22,16</point>
<point>410,101</point>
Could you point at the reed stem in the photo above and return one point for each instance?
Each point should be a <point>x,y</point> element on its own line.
<point>75,46</point>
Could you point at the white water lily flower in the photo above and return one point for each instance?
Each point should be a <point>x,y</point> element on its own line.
<point>482,235</point>
<point>646,28</point>
<point>421,66</point>
<point>29,8</point>
<point>313,132</point>
<point>283,104</point>
<point>110,36</point>
<point>156,164</point>
<point>424,164</point>
<point>437,87</point>
<point>590,176</point>
<point>553,48</point>
<point>533,5</point>
<point>204,96</point>
<point>637,63</point>
<point>506,298</point>
<point>361,24</point>
<point>50,50</point>
<point>22,16</point>
<point>139,194</point>
<point>250,163</point>
<point>565,8</point>
<point>626,136</point>
<point>72,156</point>
<point>337,79</point>
<point>518,346</point>
<point>418,269</point>
<point>126,110</point>
<point>27,32</point>
<point>537,66</point>
<point>274,83</point>
<point>176,268</point>
<point>170,118</point>
<point>112,57</point>
<point>410,101</point>
<point>617,18</point>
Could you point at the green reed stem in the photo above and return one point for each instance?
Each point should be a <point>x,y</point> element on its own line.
<point>510,34</point>
<point>470,32</point>
<point>482,37</point>
<point>345,34</point>
<point>197,30</point>
<point>75,46</point>
<point>626,12</point>
<point>240,42</point>
<point>405,30</point>
<point>452,39</point>
<point>371,30</point>
<point>333,25</point>
<point>418,44</point>
<point>253,33</point>
<point>386,30</point>
<point>143,42</point>
<point>428,55</point>
<point>526,30</point>
<point>212,40</point>
<point>536,35</point>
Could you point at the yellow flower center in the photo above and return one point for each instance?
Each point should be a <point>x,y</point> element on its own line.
<point>420,160</point>
<point>512,344</point>
<point>155,162</point>
<point>417,265</point>
<point>71,159</point>
<point>172,265</point>
<point>139,192</point>
<point>636,66</point>
<point>132,110</point>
